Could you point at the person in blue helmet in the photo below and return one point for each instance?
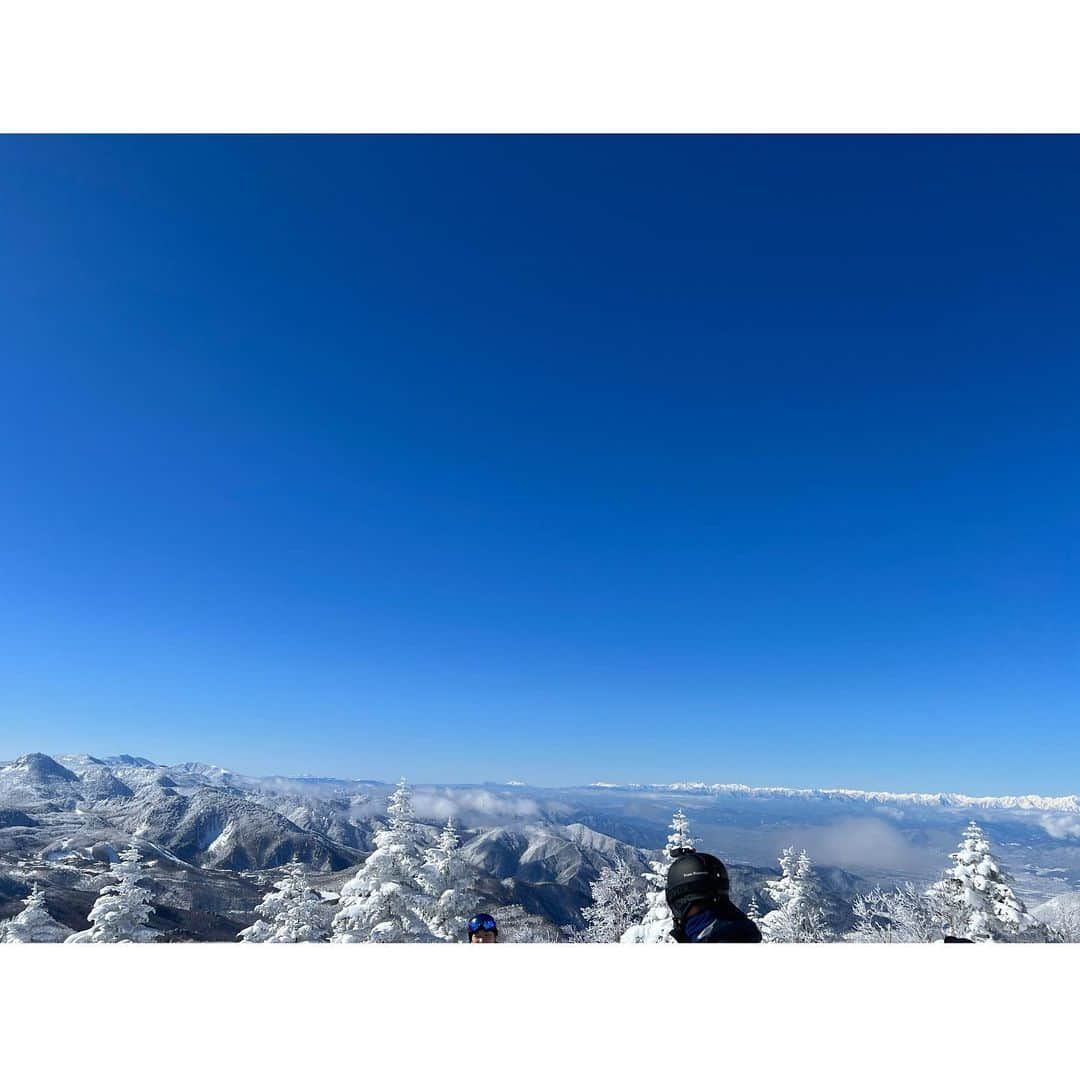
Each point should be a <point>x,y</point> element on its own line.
<point>483,930</point>
<point>701,909</point>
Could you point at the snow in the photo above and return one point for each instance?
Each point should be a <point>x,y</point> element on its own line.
<point>977,899</point>
<point>219,819</point>
<point>290,913</point>
<point>448,883</point>
<point>656,925</point>
<point>384,901</point>
<point>222,840</point>
<point>122,910</point>
<point>618,903</point>
<point>798,915</point>
<point>1068,804</point>
<point>33,924</point>
<point>1062,915</point>
<point>902,915</point>
<point>139,770</point>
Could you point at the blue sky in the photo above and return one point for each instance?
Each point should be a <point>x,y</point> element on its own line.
<point>565,459</point>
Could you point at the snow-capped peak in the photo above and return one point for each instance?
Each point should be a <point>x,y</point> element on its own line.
<point>1069,804</point>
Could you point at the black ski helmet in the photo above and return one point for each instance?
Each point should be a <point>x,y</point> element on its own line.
<point>694,878</point>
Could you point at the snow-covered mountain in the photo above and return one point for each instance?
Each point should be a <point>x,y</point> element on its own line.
<point>210,835</point>
<point>191,811</point>
<point>36,779</point>
<point>889,837</point>
<point>1065,804</point>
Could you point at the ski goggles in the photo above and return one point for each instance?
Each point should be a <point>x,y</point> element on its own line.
<point>482,922</point>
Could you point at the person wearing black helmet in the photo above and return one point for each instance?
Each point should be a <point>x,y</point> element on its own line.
<point>697,893</point>
<point>483,930</point>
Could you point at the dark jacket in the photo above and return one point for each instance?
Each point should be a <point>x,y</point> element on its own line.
<point>728,925</point>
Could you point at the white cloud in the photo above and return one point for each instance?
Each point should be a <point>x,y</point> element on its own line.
<point>475,805</point>
<point>869,843</point>
<point>1061,826</point>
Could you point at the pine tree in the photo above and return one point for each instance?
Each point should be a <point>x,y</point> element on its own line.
<point>783,889</point>
<point>680,837</point>
<point>448,882</point>
<point>291,912</point>
<point>123,909</point>
<point>976,897</point>
<point>656,925</point>
<point>33,924</point>
<point>618,903</point>
<point>384,901</point>
<point>753,912</point>
<point>901,915</point>
<point>799,915</point>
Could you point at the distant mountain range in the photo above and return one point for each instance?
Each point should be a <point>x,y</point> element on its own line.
<point>1066,804</point>
<point>210,835</point>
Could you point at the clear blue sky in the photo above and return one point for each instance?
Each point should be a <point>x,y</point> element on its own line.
<point>569,459</point>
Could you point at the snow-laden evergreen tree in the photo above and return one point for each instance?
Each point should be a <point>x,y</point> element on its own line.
<point>122,909</point>
<point>799,915</point>
<point>448,883</point>
<point>753,912</point>
<point>783,889</point>
<point>656,925</point>
<point>976,897</point>
<point>899,915</point>
<point>618,903</point>
<point>384,901</point>
<point>680,837</point>
<point>291,912</point>
<point>34,924</point>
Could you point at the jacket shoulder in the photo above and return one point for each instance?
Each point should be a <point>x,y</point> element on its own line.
<point>732,925</point>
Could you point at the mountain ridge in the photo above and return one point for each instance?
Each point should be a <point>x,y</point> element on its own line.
<point>213,838</point>
<point>1068,803</point>
<point>1063,803</point>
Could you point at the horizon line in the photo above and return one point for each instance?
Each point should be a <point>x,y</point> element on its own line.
<point>1069,801</point>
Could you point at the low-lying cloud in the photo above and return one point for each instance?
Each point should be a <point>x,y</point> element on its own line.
<point>477,806</point>
<point>1061,826</point>
<point>866,843</point>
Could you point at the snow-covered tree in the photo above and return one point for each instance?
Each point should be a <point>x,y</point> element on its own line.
<point>899,915</point>
<point>680,833</point>
<point>122,909</point>
<point>1061,917</point>
<point>1065,927</point>
<point>618,903</point>
<point>783,889</point>
<point>976,897</point>
<point>33,924</point>
<point>753,912</point>
<point>384,901</point>
<point>799,915</point>
<point>656,925</point>
<point>291,912</point>
<point>518,926</point>
<point>448,883</point>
